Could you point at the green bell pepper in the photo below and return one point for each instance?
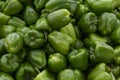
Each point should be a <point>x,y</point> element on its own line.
<point>102,52</point>
<point>5,30</point>
<point>16,22</point>
<point>117,55</point>
<point>42,24</point>
<point>13,42</point>
<point>78,59</point>
<point>60,42</point>
<point>12,7</point>
<point>95,6</point>
<point>34,39</point>
<point>5,76</point>
<point>88,22</point>
<point>100,72</point>
<point>2,47</point>
<point>69,74</point>
<point>25,72</point>
<point>22,29</point>
<point>9,62</point>
<point>1,3</point>
<point>30,15</point>
<point>57,62</point>
<point>116,71</point>
<point>58,18</point>
<point>45,75</point>
<point>40,4</point>
<point>107,22</point>
<point>37,58</point>
<point>4,18</point>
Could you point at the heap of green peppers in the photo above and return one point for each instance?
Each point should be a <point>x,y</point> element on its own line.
<point>59,39</point>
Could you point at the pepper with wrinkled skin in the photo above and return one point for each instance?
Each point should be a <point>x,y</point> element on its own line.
<point>5,76</point>
<point>58,18</point>
<point>102,52</point>
<point>12,7</point>
<point>45,75</point>
<point>107,22</point>
<point>88,22</point>
<point>69,74</point>
<point>25,72</point>
<point>78,59</point>
<point>37,58</point>
<point>57,62</point>
<point>16,22</point>
<point>99,73</point>
<point>6,29</point>
<point>30,15</point>
<point>34,39</point>
<point>4,18</point>
<point>13,42</point>
<point>9,62</point>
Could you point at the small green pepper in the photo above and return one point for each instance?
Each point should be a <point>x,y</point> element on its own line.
<point>57,62</point>
<point>34,39</point>
<point>9,62</point>
<point>25,72</point>
<point>5,76</point>
<point>58,18</point>
<point>12,7</point>
<point>69,74</point>
<point>37,58</point>
<point>4,18</point>
<point>45,75</point>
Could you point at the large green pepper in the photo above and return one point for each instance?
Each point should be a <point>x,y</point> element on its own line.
<point>25,72</point>
<point>30,15</point>
<point>4,18</point>
<point>37,58</point>
<point>13,42</point>
<point>88,23</point>
<point>34,39</point>
<point>69,74</point>
<point>78,59</point>
<point>60,42</point>
<point>45,75</point>
<point>57,62</point>
<point>58,18</point>
<point>102,52</point>
<point>12,7</point>
<point>107,22</point>
<point>100,72</point>
<point>5,76</point>
<point>6,29</point>
<point>9,62</point>
<point>16,22</point>
<point>95,5</point>
<point>2,47</point>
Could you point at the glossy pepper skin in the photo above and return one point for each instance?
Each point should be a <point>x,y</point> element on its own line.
<point>25,72</point>
<point>60,42</point>
<point>12,7</point>
<point>95,6</point>
<point>69,74</point>
<point>4,18</point>
<point>6,29</point>
<point>37,58</point>
<point>5,76</point>
<point>30,15</point>
<point>102,52</point>
<point>34,39</point>
<point>9,62</point>
<point>16,22</point>
<point>88,23</point>
<point>42,24</point>
<point>45,75</point>
<point>58,18</point>
<point>78,59</point>
<point>13,42</point>
<point>107,22</point>
<point>57,62</point>
<point>99,73</point>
